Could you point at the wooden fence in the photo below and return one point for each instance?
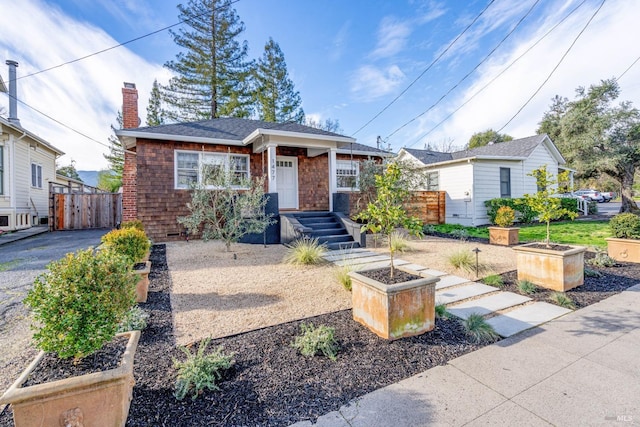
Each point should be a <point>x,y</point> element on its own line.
<point>428,206</point>
<point>82,210</point>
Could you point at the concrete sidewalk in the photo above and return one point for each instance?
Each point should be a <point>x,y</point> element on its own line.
<point>22,234</point>
<point>580,369</point>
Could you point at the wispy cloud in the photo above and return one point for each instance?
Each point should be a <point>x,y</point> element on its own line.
<point>85,95</point>
<point>392,37</point>
<point>339,42</point>
<point>369,83</point>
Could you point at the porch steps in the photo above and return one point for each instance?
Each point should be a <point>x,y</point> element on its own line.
<point>328,229</point>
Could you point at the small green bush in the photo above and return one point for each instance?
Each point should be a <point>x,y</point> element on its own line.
<point>200,370</point>
<point>134,320</point>
<point>589,272</point>
<point>505,216</point>
<point>441,311</point>
<point>461,234</point>
<point>601,260</point>
<point>341,274</point>
<point>563,300</point>
<point>399,242</point>
<point>429,229</point>
<point>130,242</point>
<point>316,340</point>
<point>136,223</point>
<point>305,251</point>
<point>526,287</point>
<point>625,226</point>
<point>524,214</point>
<point>478,330</point>
<point>494,280</point>
<point>465,260</point>
<point>79,302</point>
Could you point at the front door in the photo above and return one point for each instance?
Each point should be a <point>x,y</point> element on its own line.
<point>287,182</point>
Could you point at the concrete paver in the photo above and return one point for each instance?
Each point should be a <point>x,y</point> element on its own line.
<point>447,281</point>
<point>332,256</point>
<point>487,305</point>
<point>378,264</point>
<point>526,317</point>
<point>459,293</point>
<point>361,260</point>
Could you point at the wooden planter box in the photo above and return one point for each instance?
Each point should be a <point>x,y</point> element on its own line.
<point>142,288</point>
<point>625,250</point>
<point>505,236</point>
<point>551,269</point>
<point>394,311</point>
<point>98,399</point>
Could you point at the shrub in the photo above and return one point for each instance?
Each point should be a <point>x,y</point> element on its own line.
<point>523,212</point>
<point>130,242</point>
<point>462,259</point>
<point>316,340</point>
<point>478,330</point>
<point>134,320</point>
<point>625,226</point>
<point>460,233</point>
<point>601,260</point>
<point>526,287</point>
<point>135,223</point>
<point>429,229</point>
<point>494,280</point>
<point>399,242</point>
<point>305,251</point>
<point>505,216</point>
<point>341,274</point>
<point>562,300</point>
<point>441,311</point>
<point>200,370</point>
<point>78,303</point>
<point>588,272</point>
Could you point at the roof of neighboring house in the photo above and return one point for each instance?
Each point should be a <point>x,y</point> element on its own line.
<point>243,131</point>
<point>515,149</point>
<point>24,132</point>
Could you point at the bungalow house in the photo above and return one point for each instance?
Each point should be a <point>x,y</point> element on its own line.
<point>27,165</point>
<point>471,177</point>
<point>304,167</point>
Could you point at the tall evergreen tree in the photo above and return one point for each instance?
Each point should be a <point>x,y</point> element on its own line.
<point>116,153</point>
<point>275,96</point>
<point>155,114</point>
<point>212,72</point>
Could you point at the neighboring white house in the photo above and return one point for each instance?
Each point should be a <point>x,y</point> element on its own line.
<point>27,165</point>
<point>471,177</point>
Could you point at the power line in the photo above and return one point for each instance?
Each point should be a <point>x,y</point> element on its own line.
<point>469,73</point>
<point>556,67</point>
<point>628,68</point>
<point>425,70</point>
<point>124,43</point>
<point>500,73</point>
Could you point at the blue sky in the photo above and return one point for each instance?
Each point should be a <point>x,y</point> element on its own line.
<point>349,60</point>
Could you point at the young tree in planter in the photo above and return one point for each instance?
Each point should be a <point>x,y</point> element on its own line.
<point>385,213</point>
<point>543,202</point>
<point>227,207</point>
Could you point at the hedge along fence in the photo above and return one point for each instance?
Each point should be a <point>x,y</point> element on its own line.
<point>524,214</point>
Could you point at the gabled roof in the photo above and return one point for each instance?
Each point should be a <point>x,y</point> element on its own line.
<point>518,149</point>
<point>20,130</point>
<point>237,131</point>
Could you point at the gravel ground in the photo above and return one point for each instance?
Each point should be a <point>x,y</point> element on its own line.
<point>271,384</point>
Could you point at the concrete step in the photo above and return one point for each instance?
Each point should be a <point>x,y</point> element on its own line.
<point>338,246</point>
<point>487,305</point>
<point>448,280</point>
<point>349,255</point>
<point>362,260</point>
<point>327,232</point>
<point>459,293</point>
<point>526,317</point>
<point>335,238</point>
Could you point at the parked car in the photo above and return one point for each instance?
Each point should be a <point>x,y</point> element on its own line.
<point>574,196</point>
<point>608,195</point>
<point>592,195</point>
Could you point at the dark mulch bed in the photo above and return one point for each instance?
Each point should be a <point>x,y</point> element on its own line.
<point>273,385</point>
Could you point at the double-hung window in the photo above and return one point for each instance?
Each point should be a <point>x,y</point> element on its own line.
<point>197,168</point>
<point>505,182</point>
<point>432,181</point>
<point>347,173</point>
<point>36,175</point>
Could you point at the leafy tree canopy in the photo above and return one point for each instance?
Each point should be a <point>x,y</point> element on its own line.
<point>480,139</point>
<point>69,171</point>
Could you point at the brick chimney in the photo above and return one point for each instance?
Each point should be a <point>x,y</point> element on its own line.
<point>130,117</point>
<point>130,171</point>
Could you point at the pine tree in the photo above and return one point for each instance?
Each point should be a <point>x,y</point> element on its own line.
<point>116,154</point>
<point>275,94</point>
<point>212,72</point>
<point>155,114</point>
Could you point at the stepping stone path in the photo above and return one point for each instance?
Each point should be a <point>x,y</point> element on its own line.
<point>507,312</point>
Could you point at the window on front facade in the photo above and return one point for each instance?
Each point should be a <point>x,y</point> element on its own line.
<point>36,175</point>
<point>505,182</point>
<point>432,181</point>
<point>192,168</point>
<point>1,170</point>
<point>347,173</point>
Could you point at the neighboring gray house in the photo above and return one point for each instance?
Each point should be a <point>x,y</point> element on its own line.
<point>471,177</point>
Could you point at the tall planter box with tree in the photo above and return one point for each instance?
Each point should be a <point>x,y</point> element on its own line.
<point>393,303</point>
<point>504,234</point>
<point>625,243</point>
<point>77,306</point>
<point>551,266</point>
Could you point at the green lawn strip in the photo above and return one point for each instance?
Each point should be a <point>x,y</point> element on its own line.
<point>584,233</point>
<point>4,266</point>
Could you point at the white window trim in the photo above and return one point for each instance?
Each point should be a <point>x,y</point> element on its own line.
<point>38,181</point>
<point>201,155</point>
<point>348,164</point>
<point>3,167</point>
<point>428,175</point>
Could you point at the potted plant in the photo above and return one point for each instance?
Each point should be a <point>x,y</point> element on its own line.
<point>625,243</point>
<point>134,244</point>
<point>393,303</point>
<point>137,224</point>
<point>77,306</point>
<point>552,266</point>
<point>504,234</point>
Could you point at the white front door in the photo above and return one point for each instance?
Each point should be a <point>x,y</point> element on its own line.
<point>287,182</point>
